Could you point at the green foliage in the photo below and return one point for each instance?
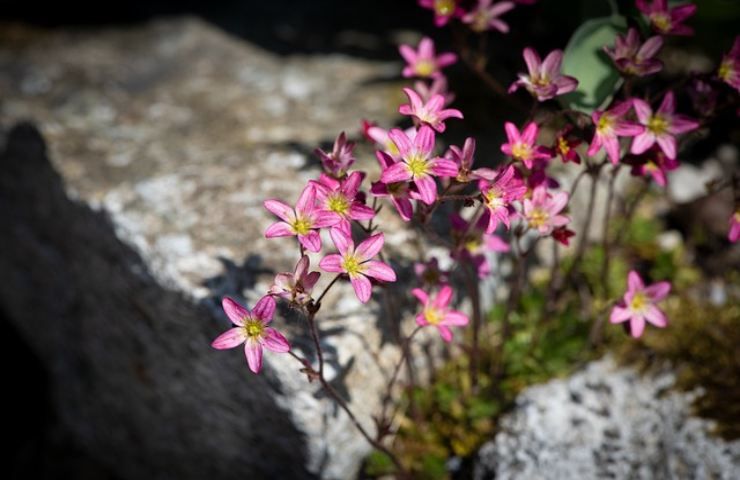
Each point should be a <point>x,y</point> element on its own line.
<point>585,59</point>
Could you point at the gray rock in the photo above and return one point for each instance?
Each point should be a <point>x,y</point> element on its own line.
<point>131,203</point>
<point>606,422</point>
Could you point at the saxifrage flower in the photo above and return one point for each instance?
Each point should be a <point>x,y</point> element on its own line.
<point>639,304</point>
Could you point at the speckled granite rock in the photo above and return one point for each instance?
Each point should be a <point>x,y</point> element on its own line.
<point>606,422</point>
<point>131,203</point>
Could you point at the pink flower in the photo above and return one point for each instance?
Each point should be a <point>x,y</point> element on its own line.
<point>734,234</point>
<point>654,162</point>
<point>358,263</point>
<point>436,312</point>
<point>431,113</point>
<point>631,58</point>
<point>660,127</point>
<point>424,62</point>
<point>438,87</point>
<point>251,330</point>
<point>667,21</point>
<point>417,163</point>
<point>340,197</point>
<point>522,146</point>
<point>544,80</point>
<point>472,242</point>
<point>401,193</point>
<point>463,158</point>
<point>565,146</point>
<point>485,16</point>
<point>297,286</point>
<point>498,195</point>
<point>340,159</point>
<point>638,304</point>
<point>729,69</point>
<point>444,10</point>
<point>384,142</point>
<point>301,221</point>
<point>542,211</point>
<point>609,125</point>
<point>429,274</point>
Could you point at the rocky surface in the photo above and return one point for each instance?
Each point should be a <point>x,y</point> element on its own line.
<point>131,202</point>
<point>607,422</point>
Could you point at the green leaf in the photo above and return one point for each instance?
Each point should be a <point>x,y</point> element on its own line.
<point>585,59</point>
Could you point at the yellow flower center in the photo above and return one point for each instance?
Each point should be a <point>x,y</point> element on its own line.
<point>737,216</point>
<point>725,70</point>
<point>338,203</point>
<point>352,266</point>
<point>639,302</point>
<point>538,218</point>
<point>424,68</point>
<point>301,226</point>
<point>433,315</point>
<point>494,199</point>
<point>521,151</point>
<point>472,243</point>
<point>417,165</point>
<point>541,81</point>
<point>563,146</point>
<point>254,328</point>
<point>606,122</point>
<point>657,125</point>
<point>661,21</point>
<point>444,7</point>
<point>651,166</point>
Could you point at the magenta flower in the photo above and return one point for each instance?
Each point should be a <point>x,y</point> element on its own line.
<point>565,146</point>
<point>340,197</point>
<point>436,312</point>
<point>660,127</point>
<point>429,274</point>
<point>542,211</point>
<point>631,58</point>
<point>431,113</point>
<point>610,124</point>
<point>522,146</point>
<point>417,163</point>
<point>544,80</point>
<point>734,233</point>
<point>463,158</point>
<point>383,141</point>
<point>729,69</point>
<point>444,10</point>
<point>638,304</point>
<point>472,242</point>
<point>400,193</point>
<point>424,62</point>
<point>301,221</point>
<point>485,16</point>
<point>358,263</point>
<point>562,235</point>
<point>297,286</point>
<point>667,21</point>
<point>654,163</point>
<point>498,195</point>
<point>251,330</point>
<point>340,159</point>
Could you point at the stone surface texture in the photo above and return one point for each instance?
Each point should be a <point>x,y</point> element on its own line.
<point>606,422</point>
<point>132,201</point>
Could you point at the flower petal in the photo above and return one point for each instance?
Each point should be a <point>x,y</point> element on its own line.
<point>230,338</point>
<point>379,271</point>
<point>398,172</point>
<point>307,199</point>
<point>264,309</point>
<point>668,145</point>
<point>445,333</point>
<point>281,209</point>
<point>532,59</point>
<point>362,286</point>
<point>253,352</point>
<point>642,143</point>
<point>455,318</point>
<point>637,326</point>
<point>656,316</point>
<point>275,341</point>
<point>619,314</point>
<point>341,240</point>
<point>311,241</point>
<point>658,291</point>
<point>427,189</point>
<point>443,298</point>
<point>332,263</point>
<point>424,140</point>
<point>370,247</point>
<point>236,313</point>
<point>634,282</point>
<point>279,229</point>
<point>420,295</point>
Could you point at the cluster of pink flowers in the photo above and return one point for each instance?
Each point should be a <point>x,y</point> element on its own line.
<point>481,16</point>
